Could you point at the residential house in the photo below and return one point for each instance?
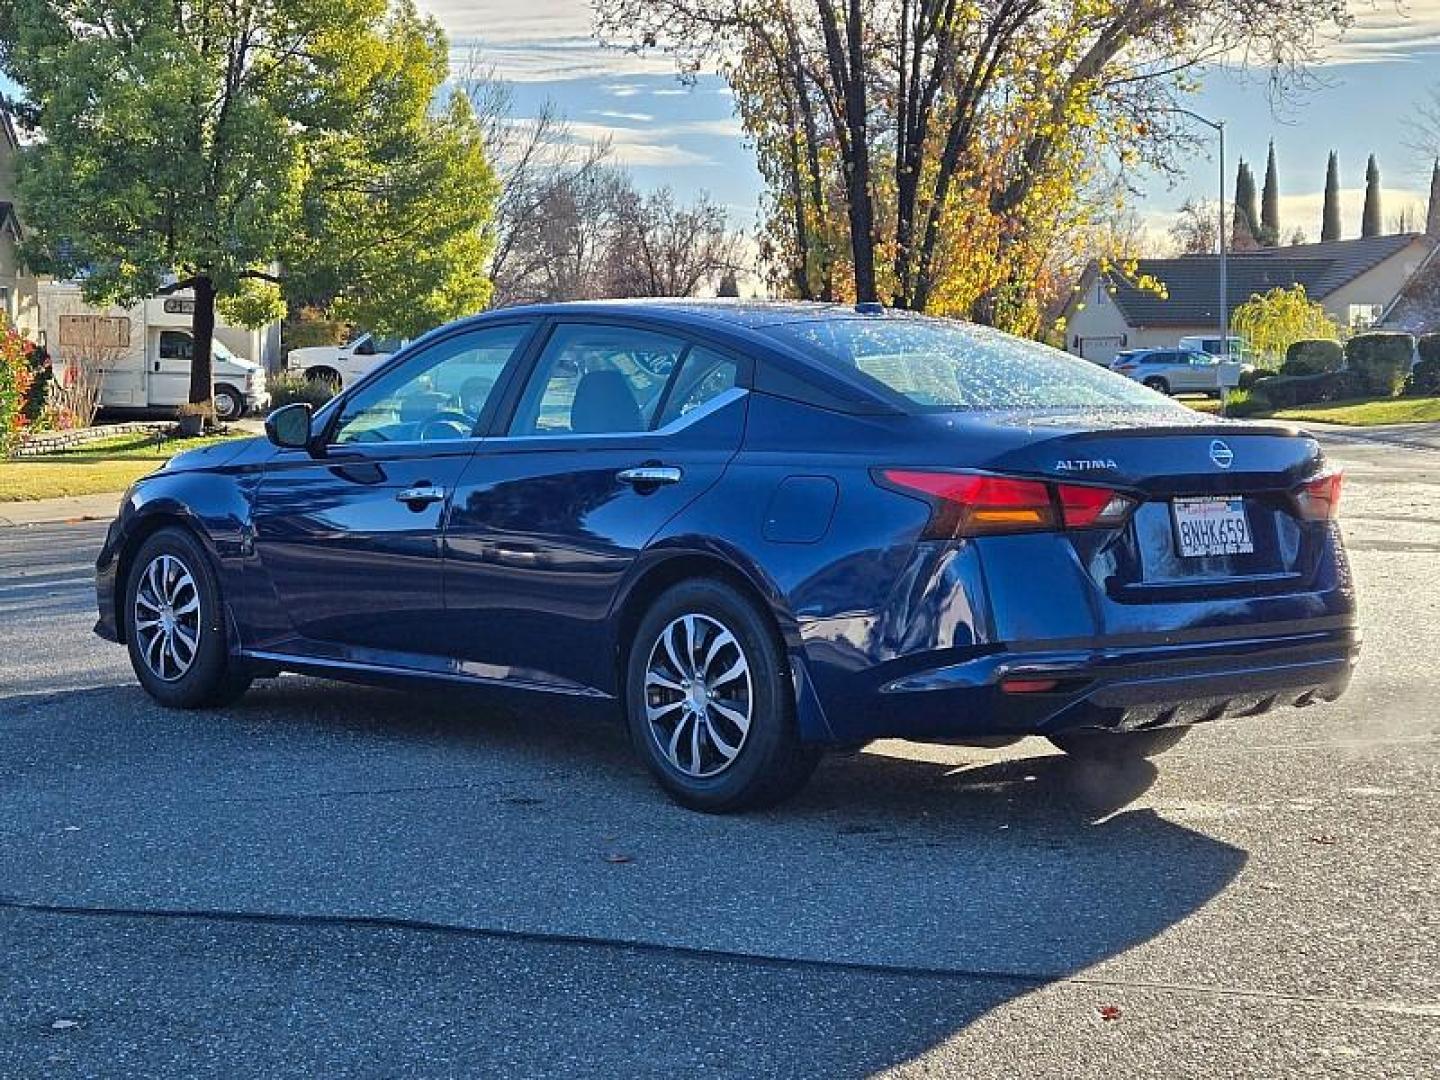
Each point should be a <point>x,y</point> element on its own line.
<point>1354,280</point>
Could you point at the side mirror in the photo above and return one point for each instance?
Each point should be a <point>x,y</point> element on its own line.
<point>289,427</point>
<point>365,348</point>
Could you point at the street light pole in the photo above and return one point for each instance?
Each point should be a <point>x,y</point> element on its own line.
<point>1218,126</point>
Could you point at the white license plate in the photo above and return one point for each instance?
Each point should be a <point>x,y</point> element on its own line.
<point>1207,527</point>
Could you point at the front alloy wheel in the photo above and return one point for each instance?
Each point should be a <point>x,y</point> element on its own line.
<point>166,617</point>
<point>710,701</point>
<point>175,626</point>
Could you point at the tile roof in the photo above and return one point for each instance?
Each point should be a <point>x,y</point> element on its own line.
<point>1192,282</point>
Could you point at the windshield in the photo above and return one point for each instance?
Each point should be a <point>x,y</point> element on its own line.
<point>941,365</point>
<point>220,352</point>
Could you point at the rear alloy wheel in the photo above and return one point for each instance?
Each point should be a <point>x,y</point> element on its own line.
<point>1097,744</point>
<point>229,404</point>
<point>1158,384</point>
<point>174,625</point>
<point>709,705</point>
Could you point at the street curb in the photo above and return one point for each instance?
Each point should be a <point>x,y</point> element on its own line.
<point>70,510</point>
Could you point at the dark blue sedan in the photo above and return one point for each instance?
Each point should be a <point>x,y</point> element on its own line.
<point>757,530</point>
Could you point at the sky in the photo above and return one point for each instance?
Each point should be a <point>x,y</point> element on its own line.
<point>687,136</point>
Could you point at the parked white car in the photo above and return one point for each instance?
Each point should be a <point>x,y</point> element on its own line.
<point>1178,371</point>
<point>340,365</point>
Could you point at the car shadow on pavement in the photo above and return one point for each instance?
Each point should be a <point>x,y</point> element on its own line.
<point>319,849</point>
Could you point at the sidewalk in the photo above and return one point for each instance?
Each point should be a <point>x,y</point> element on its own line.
<point>73,508</point>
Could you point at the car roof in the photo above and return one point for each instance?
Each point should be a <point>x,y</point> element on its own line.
<point>787,370</point>
<point>722,310</point>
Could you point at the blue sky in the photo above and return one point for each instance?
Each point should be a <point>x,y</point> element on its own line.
<point>687,137</point>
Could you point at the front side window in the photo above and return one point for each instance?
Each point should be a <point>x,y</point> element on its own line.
<point>942,366</point>
<point>175,345</point>
<point>435,394</point>
<point>597,380</point>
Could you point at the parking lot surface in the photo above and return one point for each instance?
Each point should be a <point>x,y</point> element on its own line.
<point>330,880</point>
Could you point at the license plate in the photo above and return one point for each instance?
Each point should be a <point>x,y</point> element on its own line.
<point>1208,527</point>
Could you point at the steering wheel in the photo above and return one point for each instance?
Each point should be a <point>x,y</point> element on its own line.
<point>446,424</point>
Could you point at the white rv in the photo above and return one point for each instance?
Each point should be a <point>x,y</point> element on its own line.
<point>143,353</point>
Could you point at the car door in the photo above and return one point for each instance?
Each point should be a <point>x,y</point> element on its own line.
<point>349,533</point>
<point>615,429</point>
<point>168,380</point>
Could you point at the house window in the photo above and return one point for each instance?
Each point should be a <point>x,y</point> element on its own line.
<point>1363,316</point>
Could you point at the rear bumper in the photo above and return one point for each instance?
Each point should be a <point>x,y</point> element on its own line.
<point>1122,688</point>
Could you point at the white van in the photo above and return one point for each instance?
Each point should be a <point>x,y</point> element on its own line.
<point>143,353</point>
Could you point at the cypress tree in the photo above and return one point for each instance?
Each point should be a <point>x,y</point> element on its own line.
<point>1432,214</point>
<point>1270,203</point>
<point>1330,219</point>
<point>1370,220</point>
<point>1246,225</point>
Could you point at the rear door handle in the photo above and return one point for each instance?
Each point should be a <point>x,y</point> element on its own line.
<point>649,475</point>
<point>421,495</point>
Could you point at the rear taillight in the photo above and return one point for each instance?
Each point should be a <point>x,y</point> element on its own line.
<point>977,504</point>
<point>1319,499</point>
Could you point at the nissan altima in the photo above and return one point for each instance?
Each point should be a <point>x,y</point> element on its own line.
<point>755,530</point>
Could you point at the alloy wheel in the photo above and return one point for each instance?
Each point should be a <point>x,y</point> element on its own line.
<point>698,695</point>
<point>166,614</point>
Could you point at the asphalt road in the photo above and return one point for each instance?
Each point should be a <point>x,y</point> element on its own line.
<point>333,881</point>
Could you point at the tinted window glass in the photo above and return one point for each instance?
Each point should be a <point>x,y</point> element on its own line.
<point>175,345</point>
<point>703,376</point>
<point>436,394</point>
<point>594,380</point>
<point>950,365</point>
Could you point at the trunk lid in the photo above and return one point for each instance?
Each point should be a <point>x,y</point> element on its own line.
<point>1216,513</point>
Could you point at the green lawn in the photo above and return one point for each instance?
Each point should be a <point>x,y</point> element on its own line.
<point>1365,412</point>
<point>92,469</point>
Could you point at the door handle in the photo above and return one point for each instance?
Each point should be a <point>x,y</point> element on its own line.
<point>649,475</point>
<point>421,495</point>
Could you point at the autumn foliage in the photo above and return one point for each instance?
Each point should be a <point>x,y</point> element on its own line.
<point>15,379</point>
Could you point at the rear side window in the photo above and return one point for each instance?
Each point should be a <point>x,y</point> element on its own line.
<point>597,380</point>
<point>703,376</point>
<point>952,366</point>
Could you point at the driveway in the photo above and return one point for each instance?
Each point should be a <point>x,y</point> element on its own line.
<point>328,880</point>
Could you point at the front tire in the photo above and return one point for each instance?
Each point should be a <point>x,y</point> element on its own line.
<point>1158,384</point>
<point>709,704</point>
<point>1097,744</point>
<point>229,403</point>
<point>175,625</point>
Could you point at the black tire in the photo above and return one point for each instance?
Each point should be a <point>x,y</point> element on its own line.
<point>1097,744</point>
<point>1158,384</point>
<point>326,377</point>
<point>770,763</point>
<point>211,678</point>
<point>229,403</point>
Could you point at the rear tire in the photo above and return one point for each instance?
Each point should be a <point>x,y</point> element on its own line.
<point>175,625</point>
<point>1097,744</point>
<point>704,659</point>
<point>1158,384</point>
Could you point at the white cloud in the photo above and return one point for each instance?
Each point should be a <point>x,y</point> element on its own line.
<point>612,114</point>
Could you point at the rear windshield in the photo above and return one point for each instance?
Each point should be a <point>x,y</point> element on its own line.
<point>949,366</point>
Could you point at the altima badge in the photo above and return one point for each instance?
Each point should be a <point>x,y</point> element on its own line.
<point>1221,454</point>
<point>1085,464</point>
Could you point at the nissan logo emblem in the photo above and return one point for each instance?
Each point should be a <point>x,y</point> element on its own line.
<point>1221,454</point>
